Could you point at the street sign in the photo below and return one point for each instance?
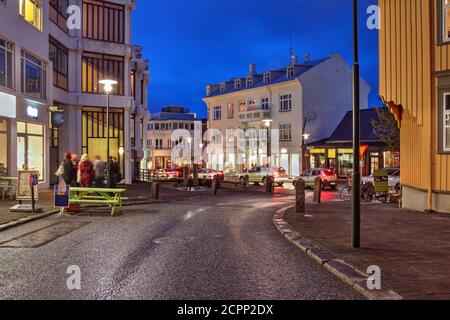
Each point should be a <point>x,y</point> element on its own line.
<point>381,179</point>
<point>363,150</point>
<point>62,195</point>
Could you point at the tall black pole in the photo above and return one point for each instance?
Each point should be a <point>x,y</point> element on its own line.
<point>107,142</point>
<point>356,198</point>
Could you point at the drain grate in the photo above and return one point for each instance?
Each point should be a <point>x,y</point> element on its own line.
<point>38,238</point>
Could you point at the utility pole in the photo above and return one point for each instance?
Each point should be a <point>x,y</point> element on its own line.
<point>356,197</point>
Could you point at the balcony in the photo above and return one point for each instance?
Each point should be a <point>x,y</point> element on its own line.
<point>257,114</point>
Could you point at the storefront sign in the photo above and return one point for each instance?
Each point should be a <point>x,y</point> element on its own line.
<point>381,179</point>
<point>25,179</point>
<point>7,105</point>
<point>62,195</point>
<point>32,112</point>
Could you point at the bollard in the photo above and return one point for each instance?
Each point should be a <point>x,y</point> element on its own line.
<point>300,206</point>
<point>195,175</point>
<point>317,190</point>
<point>269,185</point>
<point>154,191</point>
<point>214,185</point>
<point>246,181</point>
<point>185,176</point>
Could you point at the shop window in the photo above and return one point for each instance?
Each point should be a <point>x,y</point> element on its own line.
<point>30,147</point>
<point>31,11</point>
<point>34,76</point>
<point>6,64</point>
<point>3,147</point>
<point>104,21</point>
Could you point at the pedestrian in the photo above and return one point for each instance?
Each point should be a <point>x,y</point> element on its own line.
<point>75,162</point>
<point>67,169</point>
<point>115,175</point>
<point>86,172</point>
<point>99,168</point>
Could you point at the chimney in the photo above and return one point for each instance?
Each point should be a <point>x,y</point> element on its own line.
<point>294,59</point>
<point>308,58</point>
<point>252,69</point>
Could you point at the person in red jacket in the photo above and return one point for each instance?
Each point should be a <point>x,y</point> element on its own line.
<point>86,173</point>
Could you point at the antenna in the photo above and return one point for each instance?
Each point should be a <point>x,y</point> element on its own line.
<point>290,46</point>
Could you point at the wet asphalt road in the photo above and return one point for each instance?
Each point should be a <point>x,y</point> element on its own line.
<point>204,248</point>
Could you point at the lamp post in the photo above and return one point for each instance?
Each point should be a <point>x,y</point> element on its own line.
<point>267,124</point>
<point>356,196</point>
<point>107,87</point>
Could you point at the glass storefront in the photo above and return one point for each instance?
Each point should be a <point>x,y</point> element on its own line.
<point>3,147</point>
<point>30,147</point>
<point>345,162</point>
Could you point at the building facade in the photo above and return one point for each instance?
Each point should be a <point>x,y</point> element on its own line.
<point>51,69</point>
<point>415,84</point>
<point>160,128</point>
<point>289,97</point>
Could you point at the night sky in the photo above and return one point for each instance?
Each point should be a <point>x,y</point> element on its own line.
<point>192,43</point>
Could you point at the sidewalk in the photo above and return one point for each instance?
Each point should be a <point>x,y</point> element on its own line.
<point>411,248</point>
<point>136,193</point>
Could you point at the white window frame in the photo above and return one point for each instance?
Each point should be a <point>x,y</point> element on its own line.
<point>285,128</point>
<point>252,104</point>
<point>267,77</point>
<point>249,81</point>
<point>237,84</point>
<point>290,72</point>
<point>265,104</point>
<point>445,7</point>
<point>230,110</point>
<point>217,113</point>
<point>445,119</point>
<point>285,103</point>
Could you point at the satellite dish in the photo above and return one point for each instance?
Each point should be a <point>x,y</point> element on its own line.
<point>311,116</point>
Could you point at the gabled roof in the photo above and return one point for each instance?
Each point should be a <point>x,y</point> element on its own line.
<point>278,76</point>
<point>344,132</point>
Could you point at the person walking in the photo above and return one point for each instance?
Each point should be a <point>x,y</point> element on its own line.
<point>67,169</point>
<point>75,163</point>
<point>114,175</point>
<point>99,168</point>
<point>86,172</point>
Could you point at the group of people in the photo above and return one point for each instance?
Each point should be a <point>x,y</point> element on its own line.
<point>86,174</point>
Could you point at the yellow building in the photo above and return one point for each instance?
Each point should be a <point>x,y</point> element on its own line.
<point>415,83</point>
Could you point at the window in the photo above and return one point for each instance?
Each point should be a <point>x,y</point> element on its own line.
<point>98,66</point>
<point>290,72</point>
<point>265,104</point>
<point>285,102</point>
<point>31,11</point>
<point>249,82</point>
<point>34,76</point>
<point>285,132</point>
<point>230,110</point>
<point>446,20</point>
<point>3,147</point>
<point>6,64</point>
<point>103,21</point>
<point>217,113</point>
<point>251,105</point>
<point>267,77</point>
<point>175,126</point>
<point>30,147</point>
<point>237,83</point>
<point>133,83</point>
<point>446,123</point>
<point>242,106</point>
<point>158,144</point>
<point>156,126</point>
<point>58,13</point>
<point>58,54</point>
<point>223,87</point>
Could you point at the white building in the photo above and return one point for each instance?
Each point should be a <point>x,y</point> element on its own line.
<point>160,128</point>
<point>62,70</point>
<point>317,93</point>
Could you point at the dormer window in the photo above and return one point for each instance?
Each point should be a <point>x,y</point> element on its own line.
<point>290,72</point>
<point>237,83</point>
<point>249,82</point>
<point>208,91</point>
<point>223,87</point>
<point>267,77</point>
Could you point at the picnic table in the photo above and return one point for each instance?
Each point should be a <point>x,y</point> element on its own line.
<point>110,197</point>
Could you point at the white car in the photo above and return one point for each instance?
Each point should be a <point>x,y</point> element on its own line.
<point>259,175</point>
<point>207,174</point>
<point>393,178</point>
<point>327,176</point>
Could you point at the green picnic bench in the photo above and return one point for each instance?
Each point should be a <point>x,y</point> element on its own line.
<point>110,197</point>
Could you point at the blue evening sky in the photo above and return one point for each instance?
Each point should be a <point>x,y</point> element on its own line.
<point>191,43</point>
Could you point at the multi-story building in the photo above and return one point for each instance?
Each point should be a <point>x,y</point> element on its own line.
<point>415,83</point>
<point>160,128</point>
<point>308,98</point>
<point>50,68</point>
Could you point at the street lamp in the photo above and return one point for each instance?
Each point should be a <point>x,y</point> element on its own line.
<point>108,87</point>
<point>267,123</point>
<point>356,196</point>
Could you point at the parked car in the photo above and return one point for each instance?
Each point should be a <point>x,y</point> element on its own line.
<point>328,177</point>
<point>207,174</point>
<point>166,174</point>
<point>259,175</point>
<point>393,178</point>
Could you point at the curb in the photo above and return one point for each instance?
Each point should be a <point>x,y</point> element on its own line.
<point>339,268</point>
